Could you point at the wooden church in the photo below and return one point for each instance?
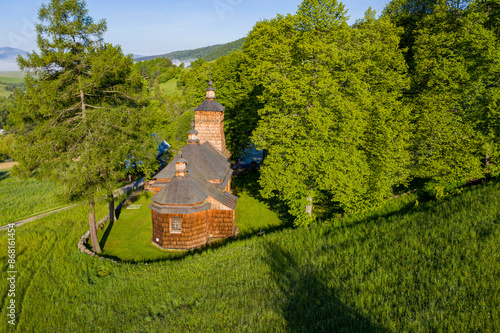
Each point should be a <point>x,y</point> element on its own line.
<point>192,200</point>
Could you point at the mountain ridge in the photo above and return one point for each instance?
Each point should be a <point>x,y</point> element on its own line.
<point>10,53</point>
<point>208,53</point>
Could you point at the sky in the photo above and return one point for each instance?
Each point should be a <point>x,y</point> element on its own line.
<point>150,27</point>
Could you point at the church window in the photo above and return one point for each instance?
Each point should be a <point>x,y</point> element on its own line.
<point>175,225</point>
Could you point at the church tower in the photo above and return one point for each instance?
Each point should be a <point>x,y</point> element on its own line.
<point>209,120</point>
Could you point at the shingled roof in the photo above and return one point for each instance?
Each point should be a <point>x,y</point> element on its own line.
<point>210,105</point>
<point>191,190</point>
<point>209,162</point>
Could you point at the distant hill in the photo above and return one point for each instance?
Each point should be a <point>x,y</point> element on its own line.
<point>208,53</point>
<point>10,53</point>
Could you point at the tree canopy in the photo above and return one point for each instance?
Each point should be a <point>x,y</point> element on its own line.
<point>83,113</point>
<point>332,120</point>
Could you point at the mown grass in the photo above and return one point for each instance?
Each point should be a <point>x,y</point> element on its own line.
<point>169,87</point>
<point>434,266</point>
<point>129,238</point>
<point>21,199</point>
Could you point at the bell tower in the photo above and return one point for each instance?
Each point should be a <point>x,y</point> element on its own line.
<point>209,120</point>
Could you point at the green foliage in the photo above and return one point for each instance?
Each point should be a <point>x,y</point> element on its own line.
<point>13,86</point>
<point>437,190</point>
<point>225,49</point>
<point>407,14</point>
<point>7,105</point>
<point>402,268</point>
<point>158,70</point>
<point>332,119</point>
<point>83,113</point>
<point>20,199</point>
<point>456,77</point>
<point>6,146</point>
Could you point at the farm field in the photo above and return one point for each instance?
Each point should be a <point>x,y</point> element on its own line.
<point>12,74</point>
<point>21,199</point>
<point>4,92</point>
<point>9,77</point>
<point>428,266</point>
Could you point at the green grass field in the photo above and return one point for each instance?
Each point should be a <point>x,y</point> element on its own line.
<point>431,266</point>
<point>9,77</point>
<point>20,199</point>
<point>129,238</point>
<point>12,74</point>
<point>170,87</point>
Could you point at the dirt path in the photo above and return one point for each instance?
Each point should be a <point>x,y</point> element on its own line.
<point>18,223</point>
<point>7,165</point>
<point>124,189</point>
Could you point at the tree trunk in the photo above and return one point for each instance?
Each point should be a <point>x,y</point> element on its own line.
<point>93,232</point>
<point>111,207</point>
<point>309,206</point>
<point>487,158</point>
<point>82,99</point>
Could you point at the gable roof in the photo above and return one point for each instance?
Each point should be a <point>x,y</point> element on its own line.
<point>211,164</point>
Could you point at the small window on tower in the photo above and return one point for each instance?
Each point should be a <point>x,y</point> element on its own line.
<point>175,225</point>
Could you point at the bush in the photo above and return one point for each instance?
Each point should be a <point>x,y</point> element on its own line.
<point>440,189</point>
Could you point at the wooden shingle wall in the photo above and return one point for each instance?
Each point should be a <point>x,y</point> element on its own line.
<point>221,223</point>
<point>193,234</point>
<point>210,127</point>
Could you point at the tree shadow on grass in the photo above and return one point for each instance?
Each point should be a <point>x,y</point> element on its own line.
<point>4,175</point>
<point>249,182</point>
<point>309,304</point>
<point>105,236</point>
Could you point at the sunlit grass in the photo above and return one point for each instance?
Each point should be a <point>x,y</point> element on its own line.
<point>129,238</point>
<point>26,197</point>
<point>170,87</point>
<point>432,266</point>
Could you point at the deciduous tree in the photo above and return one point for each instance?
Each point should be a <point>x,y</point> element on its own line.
<point>331,120</point>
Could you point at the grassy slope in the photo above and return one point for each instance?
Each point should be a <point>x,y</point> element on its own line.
<point>169,87</point>
<point>21,199</point>
<point>431,267</point>
<point>9,77</point>
<point>4,92</point>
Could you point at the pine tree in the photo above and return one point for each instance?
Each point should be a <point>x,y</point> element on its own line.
<point>83,113</point>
